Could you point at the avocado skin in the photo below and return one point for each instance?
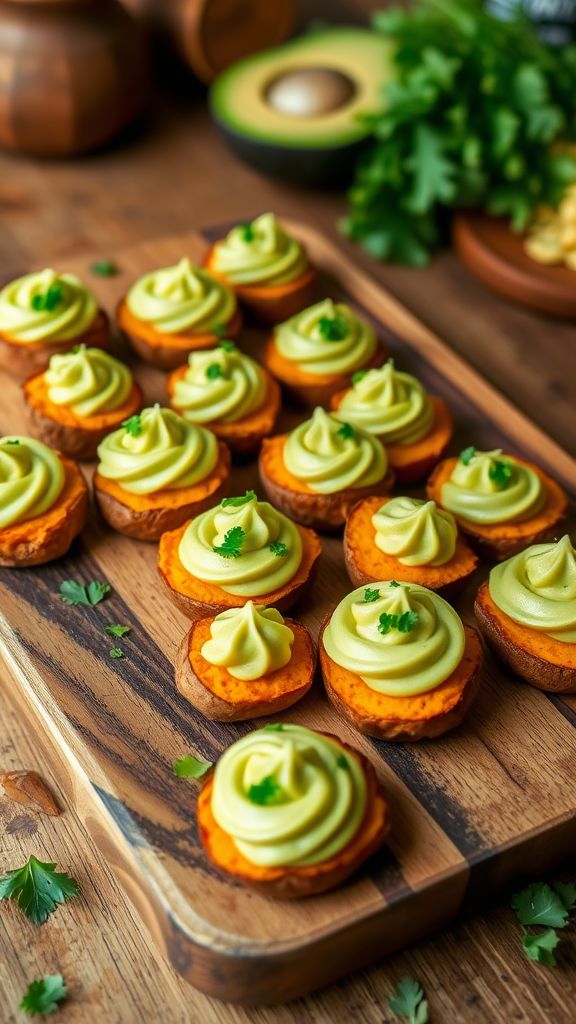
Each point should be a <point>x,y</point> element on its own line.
<point>331,167</point>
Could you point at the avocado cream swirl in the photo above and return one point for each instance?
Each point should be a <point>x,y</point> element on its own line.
<point>31,479</point>
<point>315,796</point>
<point>259,253</point>
<point>267,554</point>
<point>88,381</point>
<point>478,492</point>
<point>327,338</point>
<point>391,404</point>
<point>181,298</point>
<point>46,306</point>
<point>415,532</point>
<point>403,660</point>
<point>330,456</point>
<point>157,450</point>
<point>220,384</point>
<point>250,642</point>
<point>537,588</point>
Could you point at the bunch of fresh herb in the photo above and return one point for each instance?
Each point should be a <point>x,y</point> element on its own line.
<point>471,118</point>
<point>547,907</point>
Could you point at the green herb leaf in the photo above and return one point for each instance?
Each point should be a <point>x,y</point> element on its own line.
<point>342,762</point>
<point>346,432</point>
<point>231,546</point>
<point>48,300</point>
<point>567,893</point>
<point>358,376</point>
<point>43,995</point>
<point>38,888</point>
<point>273,727</point>
<point>333,328</point>
<point>214,371</point>
<point>407,621</point>
<point>237,502</point>
<point>393,583</point>
<point>247,233</point>
<point>73,592</point>
<point>386,622</point>
<point>540,947</point>
<point>104,268</point>
<point>501,474</point>
<point>133,425</point>
<point>117,630</point>
<point>227,346</point>
<point>370,594</point>
<point>264,792</point>
<point>278,548</point>
<point>408,1001</point>
<point>539,904</point>
<point>116,652</point>
<point>190,767</point>
<point>467,455</point>
<point>11,442</point>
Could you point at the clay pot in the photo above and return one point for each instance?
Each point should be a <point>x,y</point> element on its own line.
<point>73,74</point>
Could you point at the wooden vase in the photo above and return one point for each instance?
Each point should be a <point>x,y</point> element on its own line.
<point>72,74</point>
<point>212,34</point>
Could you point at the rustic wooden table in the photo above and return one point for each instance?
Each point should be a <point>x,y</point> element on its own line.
<point>176,173</point>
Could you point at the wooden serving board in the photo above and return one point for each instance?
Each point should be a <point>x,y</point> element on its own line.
<point>471,811</point>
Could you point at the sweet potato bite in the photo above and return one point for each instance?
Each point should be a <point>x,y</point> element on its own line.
<point>20,359</point>
<point>167,350</point>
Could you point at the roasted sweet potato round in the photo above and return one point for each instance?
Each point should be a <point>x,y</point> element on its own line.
<point>22,359</point>
<point>167,351</point>
<point>271,304</point>
<point>312,389</point>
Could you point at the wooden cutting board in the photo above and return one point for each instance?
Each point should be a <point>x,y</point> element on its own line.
<point>471,811</point>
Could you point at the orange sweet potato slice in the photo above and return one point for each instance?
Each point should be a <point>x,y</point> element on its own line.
<point>48,536</point>
<point>198,599</point>
<point>404,719</point>
<point>167,350</point>
<point>20,359</point>
<point>222,697</point>
<point>311,389</point>
<point>148,516</point>
<point>243,436</point>
<point>366,563</point>
<point>295,882</point>
<point>541,660</point>
<point>498,541</point>
<point>326,512</point>
<point>272,303</point>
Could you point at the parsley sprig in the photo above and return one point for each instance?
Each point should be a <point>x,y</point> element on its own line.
<point>346,432</point>
<point>547,907</point>
<point>247,233</point>
<point>43,995</point>
<point>278,548</point>
<point>37,888</point>
<point>231,546</point>
<point>500,473</point>
<point>214,371</point>
<point>467,454</point>
<point>47,300</point>
<point>404,623</point>
<point>73,592</point>
<point>190,767</point>
<point>133,425</point>
<point>333,328</point>
<point>370,595</point>
<point>408,1001</point>
<point>264,792</point>
<point>104,268</point>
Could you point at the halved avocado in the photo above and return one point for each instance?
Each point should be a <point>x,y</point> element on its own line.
<point>292,112</point>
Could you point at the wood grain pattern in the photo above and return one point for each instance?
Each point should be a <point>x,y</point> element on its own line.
<point>457,830</point>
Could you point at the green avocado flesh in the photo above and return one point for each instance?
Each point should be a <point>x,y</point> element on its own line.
<point>240,97</point>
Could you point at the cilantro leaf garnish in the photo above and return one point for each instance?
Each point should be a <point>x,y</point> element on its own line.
<point>370,594</point>
<point>43,995</point>
<point>190,767</point>
<point>333,328</point>
<point>404,623</point>
<point>214,371</point>
<point>467,455</point>
<point>501,474</point>
<point>38,888</point>
<point>116,652</point>
<point>227,346</point>
<point>408,1001</point>
<point>238,502</point>
<point>104,268</point>
<point>540,947</point>
<point>278,548</point>
<point>11,442</point>
<point>358,376</point>
<point>73,592</point>
<point>133,425</point>
<point>346,432</point>
<point>342,762</point>
<point>231,546</point>
<point>393,583</point>
<point>263,792</point>
<point>117,630</point>
<point>48,300</point>
<point>273,727</point>
<point>540,904</point>
<point>247,233</point>
<point>567,893</point>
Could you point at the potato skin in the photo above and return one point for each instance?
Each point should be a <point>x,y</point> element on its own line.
<point>54,541</point>
<point>77,442</point>
<point>22,360</point>
<point>170,357</point>
<point>296,883</point>
<point>304,390</point>
<point>271,304</point>
<point>362,579</point>
<point>213,707</point>
<point>542,674</point>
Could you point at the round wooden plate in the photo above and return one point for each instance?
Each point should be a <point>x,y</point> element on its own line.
<point>496,255</point>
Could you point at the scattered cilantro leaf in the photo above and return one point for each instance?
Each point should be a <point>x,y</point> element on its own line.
<point>116,652</point>
<point>540,947</point>
<point>117,630</point>
<point>386,622</point>
<point>231,546</point>
<point>567,893</point>
<point>393,583</point>
<point>408,1001</point>
<point>358,376</point>
<point>237,502</point>
<point>467,455</point>
<point>73,592</point>
<point>370,594</point>
<point>263,792</point>
<point>346,432</point>
<point>342,762</point>
<point>47,300</point>
<point>333,328</point>
<point>190,767</point>
<point>11,442</point>
<point>104,268</point>
<point>247,233</point>
<point>407,621</point>
<point>273,727</point>
<point>43,995</point>
<point>227,346</point>
<point>133,425</point>
<point>278,548</point>
<point>38,888</point>
<point>501,474</point>
<point>214,371</point>
<point>540,904</point>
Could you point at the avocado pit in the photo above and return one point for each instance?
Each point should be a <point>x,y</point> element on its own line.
<point>309,92</point>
